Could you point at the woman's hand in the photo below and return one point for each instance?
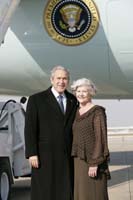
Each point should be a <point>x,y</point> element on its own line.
<point>92,172</point>
<point>34,162</point>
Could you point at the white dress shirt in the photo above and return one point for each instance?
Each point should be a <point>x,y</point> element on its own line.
<point>56,94</point>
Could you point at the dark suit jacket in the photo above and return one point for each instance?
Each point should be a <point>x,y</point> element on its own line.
<point>48,134</point>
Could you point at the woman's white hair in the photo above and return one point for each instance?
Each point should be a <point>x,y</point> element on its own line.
<point>84,82</point>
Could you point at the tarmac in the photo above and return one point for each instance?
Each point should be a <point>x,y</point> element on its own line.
<point>120,187</point>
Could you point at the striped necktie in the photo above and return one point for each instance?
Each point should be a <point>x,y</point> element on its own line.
<point>60,97</point>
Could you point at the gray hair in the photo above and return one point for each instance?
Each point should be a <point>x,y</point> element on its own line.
<point>59,67</point>
<point>84,82</point>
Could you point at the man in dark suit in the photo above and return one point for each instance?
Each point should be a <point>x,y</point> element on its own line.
<point>48,138</point>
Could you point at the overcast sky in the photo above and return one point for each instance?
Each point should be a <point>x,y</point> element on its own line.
<point>119,113</point>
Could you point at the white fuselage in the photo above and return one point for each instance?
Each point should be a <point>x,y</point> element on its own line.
<point>29,53</point>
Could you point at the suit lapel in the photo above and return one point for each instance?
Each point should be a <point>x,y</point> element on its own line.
<point>51,100</point>
<point>69,107</point>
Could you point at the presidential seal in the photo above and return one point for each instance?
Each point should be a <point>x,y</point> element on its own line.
<point>71,22</point>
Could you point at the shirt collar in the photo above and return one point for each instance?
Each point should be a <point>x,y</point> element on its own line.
<point>56,94</point>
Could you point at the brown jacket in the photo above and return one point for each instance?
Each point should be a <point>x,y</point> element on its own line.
<point>90,137</point>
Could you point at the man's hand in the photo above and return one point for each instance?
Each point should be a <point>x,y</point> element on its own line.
<point>92,172</point>
<point>34,161</point>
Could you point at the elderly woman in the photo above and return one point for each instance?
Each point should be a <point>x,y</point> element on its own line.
<point>90,148</point>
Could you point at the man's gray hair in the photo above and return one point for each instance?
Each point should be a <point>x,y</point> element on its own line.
<point>59,67</point>
<point>84,82</point>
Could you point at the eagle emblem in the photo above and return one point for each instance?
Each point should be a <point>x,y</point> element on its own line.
<point>71,22</point>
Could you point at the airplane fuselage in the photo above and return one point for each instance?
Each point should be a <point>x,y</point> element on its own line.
<point>30,50</point>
